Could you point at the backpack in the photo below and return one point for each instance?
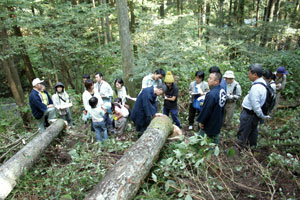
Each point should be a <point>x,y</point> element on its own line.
<point>270,102</point>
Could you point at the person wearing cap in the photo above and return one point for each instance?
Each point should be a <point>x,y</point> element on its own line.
<point>62,102</point>
<point>280,81</point>
<point>252,113</point>
<point>97,113</point>
<point>234,92</point>
<point>171,96</point>
<point>211,117</point>
<point>41,108</point>
<point>197,88</point>
<point>145,108</point>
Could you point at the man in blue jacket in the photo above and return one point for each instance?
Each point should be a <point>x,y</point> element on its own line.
<point>211,117</point>
<point>41,107</point>
<point>145,108</point>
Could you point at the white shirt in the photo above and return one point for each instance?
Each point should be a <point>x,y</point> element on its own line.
<point>256,97</point>
<point>86,96</point>
<point>104,89</point>
<point>122,94</point>
<point>97,114</point>
<point>148,82</point>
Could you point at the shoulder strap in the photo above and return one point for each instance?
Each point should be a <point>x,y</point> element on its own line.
<point>61,98</point>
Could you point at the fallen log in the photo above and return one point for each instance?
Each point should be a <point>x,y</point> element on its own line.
<point>126,176</point>
<point>11,170</point>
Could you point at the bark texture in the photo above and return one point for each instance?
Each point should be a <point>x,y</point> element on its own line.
<point>26,157</point>
<point>126,176</point>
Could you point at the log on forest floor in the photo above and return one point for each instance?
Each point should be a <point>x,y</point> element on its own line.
<point>11,170</point>
<point>126,176</point>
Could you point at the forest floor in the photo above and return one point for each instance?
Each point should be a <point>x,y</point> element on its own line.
<point>187,168</point>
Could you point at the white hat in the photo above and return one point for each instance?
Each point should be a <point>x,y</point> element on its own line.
<point>36,81</point>
<point>229,74</point>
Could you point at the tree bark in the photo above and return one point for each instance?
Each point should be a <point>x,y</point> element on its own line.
<point>162,9</point>
<point>127,60</point>
<point>257,12</point>
<point>12,75</point>
<point>127,175</point>
<point>26,157</point>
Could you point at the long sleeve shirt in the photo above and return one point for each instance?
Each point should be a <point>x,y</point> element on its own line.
<point>212,113</point>
<point>256,98</point>
<point>97,114</point>
<point>58,102</point>
<point>36,103</point>
<point>194,88</point>
<point>148,82</point>
<point>234,89</point>
<point>280,82</point>
<point>86,96</point>
<point>104,90</point>
<point>145,107</point>
<point>121,93</point>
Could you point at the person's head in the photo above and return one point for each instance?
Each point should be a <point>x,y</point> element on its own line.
<point>93,102</point>
<point>119,83</point>
<point>59,87</point>
<point>281,71</point>
<point>214,79</point>
<point>89,85</point>
<point>158,91</point>
<point>199,76</point>
<point>36,83</point>
<point>214,69</point>
<point>99,77</point>
<point>169,79</point>
<point>229,77</point>
<point>255,71</point>
<point>85,77</point>
<point>117,102</point>
<point>43,86</point>
<point>268,75</point>
<point>159,74</point>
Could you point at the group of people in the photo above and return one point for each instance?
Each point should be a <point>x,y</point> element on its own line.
<point>213,102</point>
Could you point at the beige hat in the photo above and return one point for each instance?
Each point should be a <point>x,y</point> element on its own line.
<point>36,81</point>
<point>229,74</point>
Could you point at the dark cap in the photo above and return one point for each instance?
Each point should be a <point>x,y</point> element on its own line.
<point>282,70</point>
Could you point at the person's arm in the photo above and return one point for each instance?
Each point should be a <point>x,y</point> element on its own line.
<point>55,100</point>
<point>173,98</point>
<point>206,110</point>
<point>206,88</point>
<point>238,92</point>
<point>255,95</point>
<point>37,103</point>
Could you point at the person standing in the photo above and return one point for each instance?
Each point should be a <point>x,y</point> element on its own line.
<point>145,108</point>
<point>121,90</point>
<point>197,88</point>
<point>103,88</point>
<point>154,80</point>
<point>211,117</point>
<point>252,112</point>
<point>86,96</point>
<point>41,106</point>
<point>280,81</point>
<point>62,102</point>
<point>234,92</point>
<point>171,96</point>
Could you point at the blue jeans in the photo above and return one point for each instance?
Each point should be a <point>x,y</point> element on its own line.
<point>174,114</point>
<point>67,117</point>
<point>50,113</point>
<point>101,130</point>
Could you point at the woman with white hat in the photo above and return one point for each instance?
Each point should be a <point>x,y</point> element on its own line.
<point>234,92</point>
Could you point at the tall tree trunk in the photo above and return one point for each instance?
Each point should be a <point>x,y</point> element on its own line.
<point>12,75</point>
<point>235,10</point>
<point>127,60</point>
<point>221,20</point>
<point>257,12</point>
<point>104,33</point>
<point>107,24</point>
<point>276,10</point>
<point>178,6</point>
<point>132,16</point>
<point>162,9</point>
<point>22,161</point>
<point>200,25</point>
<point>230,13</point>
<point>27,64</point>
<point>241,11</point>
<point>126,176</point>
<point>67,70</point>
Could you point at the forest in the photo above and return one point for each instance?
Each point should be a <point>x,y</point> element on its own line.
<point>61,40</point>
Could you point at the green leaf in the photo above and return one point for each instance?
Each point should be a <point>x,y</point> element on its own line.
<point>66,196</point>
<point>231,152</point>
<point>154,177</point>
<point>217,151</point>
<point>188,197</point>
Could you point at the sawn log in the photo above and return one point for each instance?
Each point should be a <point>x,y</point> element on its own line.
<point>23,160</point>
<point>126,176</point>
